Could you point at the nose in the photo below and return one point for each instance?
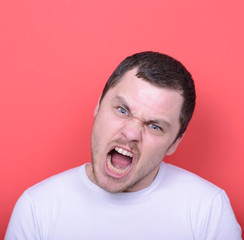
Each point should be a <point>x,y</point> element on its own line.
<point>132,130</point>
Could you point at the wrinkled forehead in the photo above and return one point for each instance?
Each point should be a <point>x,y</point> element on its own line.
<point>142,96</point>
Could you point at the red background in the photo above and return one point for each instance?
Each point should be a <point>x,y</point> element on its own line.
<point>57,54</point>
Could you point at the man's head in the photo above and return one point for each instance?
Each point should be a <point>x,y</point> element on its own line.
<point>141,116</point>
<point>162,71</point>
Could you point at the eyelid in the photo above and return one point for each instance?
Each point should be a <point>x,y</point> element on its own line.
<point>123,105</point>
<point>119,108</point>
<point>159,128</point>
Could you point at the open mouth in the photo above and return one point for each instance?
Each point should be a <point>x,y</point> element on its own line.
<point>119,162</point>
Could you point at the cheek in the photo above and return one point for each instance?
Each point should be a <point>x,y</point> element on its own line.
<point>106,127</point>
<point>155,148</point>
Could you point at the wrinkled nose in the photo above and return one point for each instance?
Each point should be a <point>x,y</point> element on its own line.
<point>132,130</point>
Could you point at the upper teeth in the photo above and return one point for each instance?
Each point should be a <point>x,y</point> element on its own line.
<point>124,152</point>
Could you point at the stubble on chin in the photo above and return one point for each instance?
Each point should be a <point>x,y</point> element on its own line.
<point>109,183</point>
<point>112,185</point>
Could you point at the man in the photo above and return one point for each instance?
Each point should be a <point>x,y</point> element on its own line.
<point>127,192</point>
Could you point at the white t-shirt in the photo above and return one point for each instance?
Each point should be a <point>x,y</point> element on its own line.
<point>178,205</point>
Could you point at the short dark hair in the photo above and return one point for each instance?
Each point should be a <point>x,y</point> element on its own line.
<point>163,71</point>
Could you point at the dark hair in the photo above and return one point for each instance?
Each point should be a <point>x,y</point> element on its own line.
<point>162,71</point>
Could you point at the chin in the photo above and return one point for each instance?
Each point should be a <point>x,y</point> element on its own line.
<point>109,184</point>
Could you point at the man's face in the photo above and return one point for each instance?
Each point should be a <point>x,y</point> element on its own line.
<point>135,127</point>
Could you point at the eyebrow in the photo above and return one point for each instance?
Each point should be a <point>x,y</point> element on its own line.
<point>123,102</point>
<point>160,122</point>
<point>156,121</point>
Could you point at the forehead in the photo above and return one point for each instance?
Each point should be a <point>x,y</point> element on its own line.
<point>140,95</point>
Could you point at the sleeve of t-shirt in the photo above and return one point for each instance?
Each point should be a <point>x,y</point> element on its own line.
<point>219,221</point>
<point>23,222</point>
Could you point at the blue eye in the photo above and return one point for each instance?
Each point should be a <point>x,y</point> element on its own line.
<point>154,127</point>
<point>122,110</point>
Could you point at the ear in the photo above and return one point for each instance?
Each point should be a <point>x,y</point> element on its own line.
<point>97,108</point>
<point>174,146</point>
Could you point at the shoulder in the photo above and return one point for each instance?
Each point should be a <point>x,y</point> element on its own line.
<point>50,196</point>
<point>180,177</point>
<point>62,182</point>
<point>206,204</point>
<point>40,206</point>
<point>188,186</point>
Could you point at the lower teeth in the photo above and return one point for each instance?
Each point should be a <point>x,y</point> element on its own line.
<point>111,167</point>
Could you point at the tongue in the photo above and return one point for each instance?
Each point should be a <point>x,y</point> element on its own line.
<point>120,161</point>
